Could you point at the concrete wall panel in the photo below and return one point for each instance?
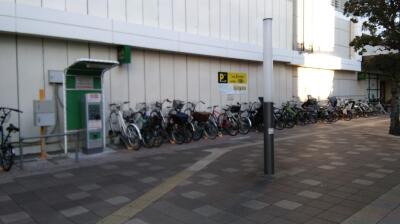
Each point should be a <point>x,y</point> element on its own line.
<point>215,18</point>
<point>150,12</point>
<point>77,6</point>
<point>165,14</point>
<point>98,8</point>
<point>31,80</point>
<point>180,69</point>
<point>179,9</point>
<point>9,75</point>
<point>204,17</point>
<point>152,76</point>
<point>54,4</point>
<point>167,76</point>
<point>137,91</point>
<point>193,87</point>
<point>135,11</point>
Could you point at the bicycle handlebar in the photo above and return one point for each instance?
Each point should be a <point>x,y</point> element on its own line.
<point>11,109</point>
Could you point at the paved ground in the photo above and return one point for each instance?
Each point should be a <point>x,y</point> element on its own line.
<point>345,172</point>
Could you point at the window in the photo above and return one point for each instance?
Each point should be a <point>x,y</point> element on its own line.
<point>338,5</point>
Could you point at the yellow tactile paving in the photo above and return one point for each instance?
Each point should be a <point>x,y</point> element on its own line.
<point>130,210</point>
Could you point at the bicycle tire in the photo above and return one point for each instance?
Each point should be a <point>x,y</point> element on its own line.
<point>7,158</point>
<point>132,137</point>
<point>158,138</point>
<point>211,130</point>
<point>197,132</point>
<point>244,125</point>
<point>289,122</point>
<point>348,116</point>
<point>177,135</point>
<point>148,139</point>
<point>187,133</point>
<point>278,124</point>
<point>232,127</point>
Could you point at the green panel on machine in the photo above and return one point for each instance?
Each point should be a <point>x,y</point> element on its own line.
<point>70,82</point>
<point>94,136</point>
<point>74,108</point>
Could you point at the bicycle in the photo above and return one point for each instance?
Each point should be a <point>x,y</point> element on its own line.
<point>214,118</point>
<point>202,122</point>
<point>119,126</point>
<point>227,120</point>
<point>243,118</point>
<point>6,153</point>
<point>140,120</point>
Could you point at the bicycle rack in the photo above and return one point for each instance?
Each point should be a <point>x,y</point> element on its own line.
<point>71,133</point>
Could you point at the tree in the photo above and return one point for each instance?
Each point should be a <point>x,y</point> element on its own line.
<point>381,21</point>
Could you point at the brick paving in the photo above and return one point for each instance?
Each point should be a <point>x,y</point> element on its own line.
<point>325,174</point>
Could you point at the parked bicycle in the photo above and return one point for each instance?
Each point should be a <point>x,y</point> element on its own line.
<point>121,127</point>
<point>6,152</point>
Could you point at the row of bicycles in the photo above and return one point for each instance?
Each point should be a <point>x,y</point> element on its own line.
<point>176,122</point>
<point>333,109</point>
<point>181,122</point>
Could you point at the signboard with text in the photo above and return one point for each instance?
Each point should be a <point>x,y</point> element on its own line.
<point>232,82</point>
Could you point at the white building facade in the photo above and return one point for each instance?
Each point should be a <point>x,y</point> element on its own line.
<point>178,48</point>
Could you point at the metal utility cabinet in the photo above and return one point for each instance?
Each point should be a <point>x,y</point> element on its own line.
<point>93,123</point>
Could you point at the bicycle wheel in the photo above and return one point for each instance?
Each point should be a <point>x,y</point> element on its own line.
<point>177,135</point>
<point>187,133</point>
<point>348,116</point>
<point>289,121</point>
<point>158,137</point>
<point>7,158</point>
<point>211,130</point>
<point>313,118</point>
<point>278,124</point>
<point>231,126</point>
<point>132,137</point>
<point>244,125</point>
<point>197,132</point>
<point>113,124</point>
<point>301,118</point>
<point>148,138</point>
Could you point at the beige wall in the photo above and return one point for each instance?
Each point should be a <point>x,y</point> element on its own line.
<point>236,20</point>
<point>151,76</point>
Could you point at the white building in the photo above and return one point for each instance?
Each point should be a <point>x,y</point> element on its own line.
<point>178,48</point>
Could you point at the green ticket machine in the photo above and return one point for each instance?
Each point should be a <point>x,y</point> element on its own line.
<point>84,109</point>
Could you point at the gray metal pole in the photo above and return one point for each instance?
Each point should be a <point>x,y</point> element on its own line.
<point>269,154</point>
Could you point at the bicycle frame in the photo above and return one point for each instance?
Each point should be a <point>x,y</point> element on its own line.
<point>122,124</point>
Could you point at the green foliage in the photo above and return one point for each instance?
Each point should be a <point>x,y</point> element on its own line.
<point>381,22</point>
<point>388,64</point>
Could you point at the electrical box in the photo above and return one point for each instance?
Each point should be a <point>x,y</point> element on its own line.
<point>56,77</point>
<point>44,113</point>
<point>93,123</point>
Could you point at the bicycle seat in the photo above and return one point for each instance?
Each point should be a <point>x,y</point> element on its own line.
<point>12,128</point>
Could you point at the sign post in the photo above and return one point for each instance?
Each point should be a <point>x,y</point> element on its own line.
<point>268,105</point>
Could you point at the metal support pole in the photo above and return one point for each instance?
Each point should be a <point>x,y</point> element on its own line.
<point>269,157</point>
<point>77,148</point>
<point>21,154</point>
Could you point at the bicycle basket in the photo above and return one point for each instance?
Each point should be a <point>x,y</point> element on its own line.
<point>201,116</point>
<point>154,121</point>
<point>180,118</point>
<point>235,109</point>
<point>178,104</point>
